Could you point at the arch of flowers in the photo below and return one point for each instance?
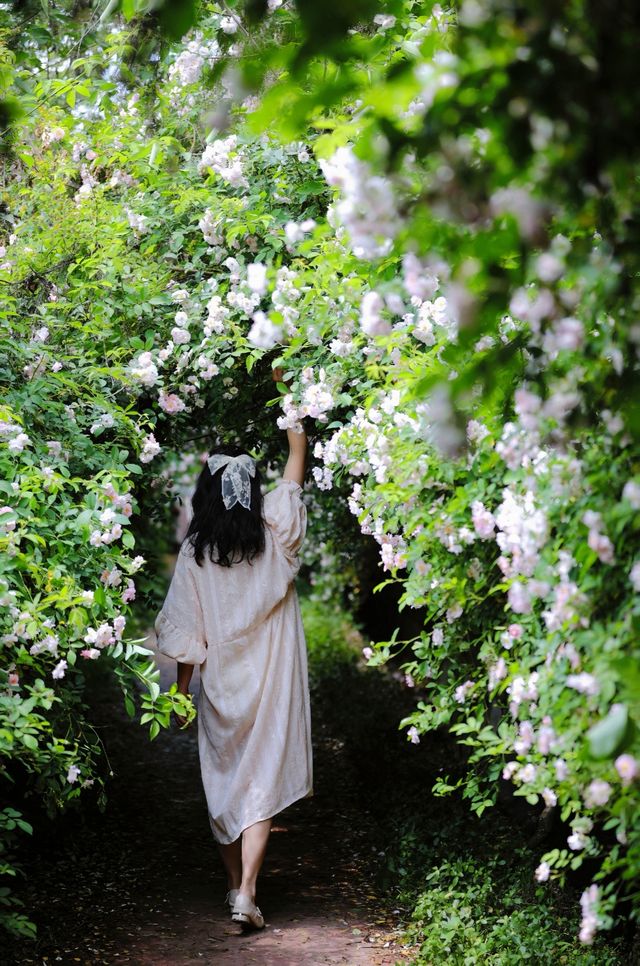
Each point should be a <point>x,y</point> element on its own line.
<point>461,337</point>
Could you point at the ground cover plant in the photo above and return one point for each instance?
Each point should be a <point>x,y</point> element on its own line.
<point>392,202</point>
<point>462,885</point>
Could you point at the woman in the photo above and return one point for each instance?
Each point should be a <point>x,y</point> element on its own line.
<point>232,608</point>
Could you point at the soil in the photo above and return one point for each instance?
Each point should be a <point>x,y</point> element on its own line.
<point>142,883</point>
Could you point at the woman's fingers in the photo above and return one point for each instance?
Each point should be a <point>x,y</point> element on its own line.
<point>277,374</point>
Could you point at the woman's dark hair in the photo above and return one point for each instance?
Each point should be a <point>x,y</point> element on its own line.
<point>227,536</point>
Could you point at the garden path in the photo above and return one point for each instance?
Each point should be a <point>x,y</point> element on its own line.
<point>143,884</point>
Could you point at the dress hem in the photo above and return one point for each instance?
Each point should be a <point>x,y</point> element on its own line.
<point>272,813</point>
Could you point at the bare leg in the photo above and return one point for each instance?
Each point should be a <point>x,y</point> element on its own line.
<point>254,846</point>
<point>232,858</point>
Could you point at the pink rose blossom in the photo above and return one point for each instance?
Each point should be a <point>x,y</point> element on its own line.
<point>519,597</point>
<point>371,320</point>
<point>72,774</point>
<point>170,403</point>
<point>627,767</point>
<point>525,738</point>
<point>602,545</point>
<point>150,448</point>
<point>461,692</point>
<point>562,771</point>
<point>527,774</point>
<point>631,493</point>
<point>497,672</point>
<point>59,669</point>
<point>509,770</point>
<point>180,336</point>
<point>257,278</point>
<point>100,636</point>
<point>483,520</point>
<point>597,793</point>
<point>119,624</point>
<point>542,872</point>
<point>546,736</point>
<point>584,683</point>
<point>476,431</point>
<point>577,841</point>
<point>589,924</point>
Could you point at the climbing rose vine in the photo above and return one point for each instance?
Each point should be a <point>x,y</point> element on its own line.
<point>455,310</point>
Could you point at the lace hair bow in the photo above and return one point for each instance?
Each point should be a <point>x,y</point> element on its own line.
<point>236,479</point>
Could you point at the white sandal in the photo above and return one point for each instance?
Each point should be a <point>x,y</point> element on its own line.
<point>231,897</point>
<point>246,911</point>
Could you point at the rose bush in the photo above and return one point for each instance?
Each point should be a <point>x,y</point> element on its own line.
<point>441,256</point>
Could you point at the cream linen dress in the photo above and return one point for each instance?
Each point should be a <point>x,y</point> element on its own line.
<point>242,625</point>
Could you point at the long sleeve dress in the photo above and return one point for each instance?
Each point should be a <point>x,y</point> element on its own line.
<point>242,625</point>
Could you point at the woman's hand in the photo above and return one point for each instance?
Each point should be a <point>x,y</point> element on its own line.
<point>182,721</point>
<point>277,375</point>
<point>183,680</point>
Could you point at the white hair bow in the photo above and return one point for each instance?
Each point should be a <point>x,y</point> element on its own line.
<point>236,479</point>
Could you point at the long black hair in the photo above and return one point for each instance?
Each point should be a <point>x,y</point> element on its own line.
<point>227,536</point>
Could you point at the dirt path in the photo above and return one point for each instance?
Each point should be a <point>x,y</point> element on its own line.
<point>143,883</point>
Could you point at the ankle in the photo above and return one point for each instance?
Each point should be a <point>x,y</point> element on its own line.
<point>249,891</point>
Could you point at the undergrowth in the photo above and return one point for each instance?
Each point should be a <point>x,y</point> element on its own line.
<point>464,884</point>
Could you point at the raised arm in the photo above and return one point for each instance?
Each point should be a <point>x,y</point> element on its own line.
<point>296,464</point>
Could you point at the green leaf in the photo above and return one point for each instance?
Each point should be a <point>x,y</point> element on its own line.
<point>606,737</point>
